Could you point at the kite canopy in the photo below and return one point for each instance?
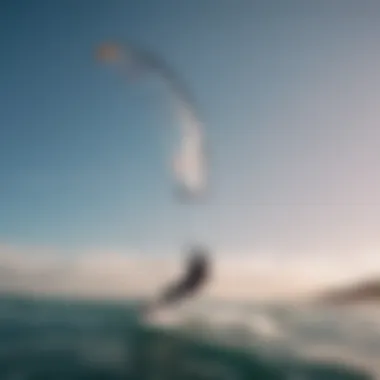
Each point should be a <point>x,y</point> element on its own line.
<point>189,164</point>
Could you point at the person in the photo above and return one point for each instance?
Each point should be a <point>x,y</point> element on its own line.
<point>196,275</point>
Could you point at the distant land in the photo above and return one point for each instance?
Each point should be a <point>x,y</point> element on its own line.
<point>363,291</point>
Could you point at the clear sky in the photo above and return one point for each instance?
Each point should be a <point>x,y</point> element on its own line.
<point>289,91</point>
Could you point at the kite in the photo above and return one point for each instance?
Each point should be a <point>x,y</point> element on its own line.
<point>189,162</point>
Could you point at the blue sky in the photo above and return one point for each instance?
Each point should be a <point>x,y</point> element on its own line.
<point>289,92</point>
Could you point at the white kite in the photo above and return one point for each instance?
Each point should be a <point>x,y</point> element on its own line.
<point>189,162</point>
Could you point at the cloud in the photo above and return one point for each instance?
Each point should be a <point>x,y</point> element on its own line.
<point>90,273</point>
<point>110,274</point>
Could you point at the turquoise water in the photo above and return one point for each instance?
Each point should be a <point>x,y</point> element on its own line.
<point>42,339</point>
<point>58,339</point>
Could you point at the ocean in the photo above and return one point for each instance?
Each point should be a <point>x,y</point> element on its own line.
<point>71,339</point>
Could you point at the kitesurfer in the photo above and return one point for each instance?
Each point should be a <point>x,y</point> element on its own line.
<point>196,275</point>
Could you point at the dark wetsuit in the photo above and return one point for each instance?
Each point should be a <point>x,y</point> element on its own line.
<point>196,275</point>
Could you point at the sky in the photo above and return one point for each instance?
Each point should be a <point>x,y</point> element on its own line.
<point>289,93</point>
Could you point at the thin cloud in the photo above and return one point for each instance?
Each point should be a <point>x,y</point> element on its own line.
<point>104,274</point>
